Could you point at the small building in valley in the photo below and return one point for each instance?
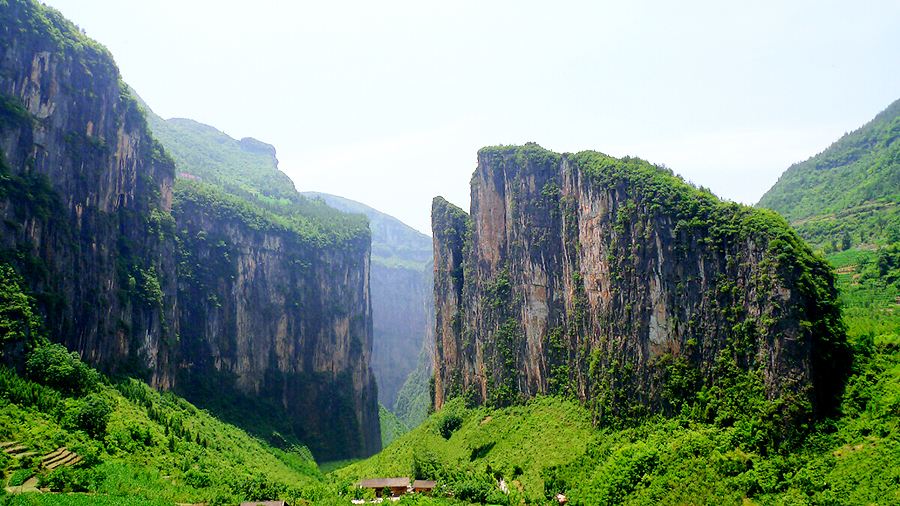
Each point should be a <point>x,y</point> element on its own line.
<point>423,486</point>
<point>397,486</point>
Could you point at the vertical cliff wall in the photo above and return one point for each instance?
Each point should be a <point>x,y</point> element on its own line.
<point>616,282</point>
<point>402,309</point>
<point>401,324</point>
<point>278,319</point>
<point>84,194</point>
<point>247,301</point>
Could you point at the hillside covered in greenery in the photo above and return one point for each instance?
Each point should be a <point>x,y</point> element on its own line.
<point>850,193</point>
<point>133,443</point>
<point>394,243</point>
<point>213,163</point>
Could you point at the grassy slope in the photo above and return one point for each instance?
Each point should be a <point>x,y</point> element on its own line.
<point>851,189</point>
<point>391,426</point>
<point>414,397</point>
<point>140,455</point>
<point>547,429</point>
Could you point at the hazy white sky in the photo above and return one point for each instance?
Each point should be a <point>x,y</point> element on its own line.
<point>387,102</point>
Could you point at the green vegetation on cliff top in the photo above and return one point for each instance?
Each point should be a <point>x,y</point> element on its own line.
<point>45,26</point>
<point>850,193</point>
<point>309,220</point>
<point>241,179</point>
<point>394,243</point>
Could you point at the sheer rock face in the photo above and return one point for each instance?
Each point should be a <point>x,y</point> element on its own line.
<point>83,179</point>
<point>574,274</point>
<point>401,300</point>
<point>282,321</point>
<point>86,196</point>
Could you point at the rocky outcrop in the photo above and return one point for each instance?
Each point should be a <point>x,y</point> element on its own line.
<point>232,302</point>
<point>614,281</point>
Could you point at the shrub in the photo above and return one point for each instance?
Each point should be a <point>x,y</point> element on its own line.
<point>54,366</point>
<point>19,322</point>
<point>257,488</point>
<point>478,489</point>
<point>20,476</point>
<point>425,465</point>
<point>23,392</point>
<point>90,414</point>
<point>70,479</point>
<point>197,478</point>
<point>449,424</point>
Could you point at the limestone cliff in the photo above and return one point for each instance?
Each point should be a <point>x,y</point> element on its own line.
<point>402,307</point>
<point>242,298</point>
<point>84,193</point>
<point>278,319</point>
<point>615,281</point>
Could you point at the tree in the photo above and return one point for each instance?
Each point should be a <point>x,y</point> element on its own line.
<point>19,322</point>
<point>845,241</point>
<point>53,365</point>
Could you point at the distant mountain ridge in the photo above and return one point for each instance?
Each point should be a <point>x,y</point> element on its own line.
<point>849,193</point>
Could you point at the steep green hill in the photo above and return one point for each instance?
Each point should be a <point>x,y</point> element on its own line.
<point>850,193</point>
<point>247,169</point>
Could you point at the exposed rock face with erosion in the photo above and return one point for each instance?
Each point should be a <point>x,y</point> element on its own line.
<point>226,301</point>
<point>615,281</point>
<point>84,190</point>
<point>402,309</point>
<point>280,320</point>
